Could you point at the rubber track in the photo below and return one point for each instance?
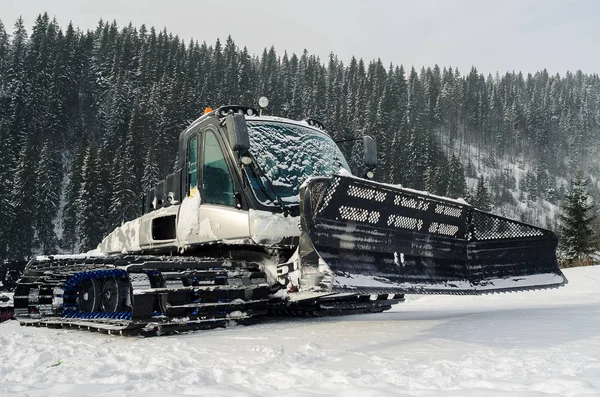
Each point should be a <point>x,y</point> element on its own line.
<point>133,329</point>
<point>53,273</point>
<point>334,306</point>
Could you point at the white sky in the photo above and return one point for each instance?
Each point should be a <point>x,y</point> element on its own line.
<point>526,35</point>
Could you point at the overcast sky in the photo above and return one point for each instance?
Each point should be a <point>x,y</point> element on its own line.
<point>499,35</point>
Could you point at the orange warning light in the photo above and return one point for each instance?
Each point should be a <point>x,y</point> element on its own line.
<point>208,110</point>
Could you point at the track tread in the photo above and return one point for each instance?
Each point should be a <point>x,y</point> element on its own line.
<point>247,296</point>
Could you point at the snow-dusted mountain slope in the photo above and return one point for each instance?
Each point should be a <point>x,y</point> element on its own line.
<point>527,344</point>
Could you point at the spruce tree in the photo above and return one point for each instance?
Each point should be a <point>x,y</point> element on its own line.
<point>6,209</point>
<point>17,90</point>
<point>4,43</point>
<point>22,227</point>
<point>151,171</point>
<point>578,237</point>
<point>442,172</point>
<point>89,213</point>
<point>481,198</point>
<point>457,187</point>
<point>48,184</point>
<point>70,236</point>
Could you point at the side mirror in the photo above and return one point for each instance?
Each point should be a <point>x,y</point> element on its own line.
<point>370,152</point>
<point>237,132</point>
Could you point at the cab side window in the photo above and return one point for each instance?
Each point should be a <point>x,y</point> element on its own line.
<point>218,185</point>
<point>193,168</point>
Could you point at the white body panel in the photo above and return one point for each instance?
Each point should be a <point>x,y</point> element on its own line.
<point>218,222</point>
<point>125,238</point>
<point>201,223</point>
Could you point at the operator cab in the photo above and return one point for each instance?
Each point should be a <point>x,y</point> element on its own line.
<point>237,182</point>
<point>234,157</point>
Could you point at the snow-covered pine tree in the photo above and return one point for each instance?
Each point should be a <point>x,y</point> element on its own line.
<point>48,185</point>
<point>578,237</point>
<point>246,73</point>
<point>333,91</point>
<point>230,78</point>
<point>39,67</point>
<point>151,171</point>
<point>104,190</point>
<point>123,182</point>
<point>457,186</point>
<point>399,129</point>
<point>6,209</point>
<point>17,91</point>
<point>357,119</point>
<point>70,235</point>
<point>481,198</point>
<point>91,216</point>
<point>531,186</point>
<point>389,119</point>
<point>377,81</point>
<point>417,146</point>
<point>215,73</point>
<point>64,94</point>
<point>4,56</point>
<point>84,202</point>
<point>162,131</point>
<point>269,83</point>
<point>442,173</point>
<point>22,224</point>
<point>5,150</point>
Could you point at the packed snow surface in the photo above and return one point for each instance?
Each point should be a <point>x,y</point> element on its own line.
<point>538,343</point>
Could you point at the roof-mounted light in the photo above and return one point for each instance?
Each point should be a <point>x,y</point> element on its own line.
<point>235,109</point>
<point>315,123</point>
<point>263,102</point>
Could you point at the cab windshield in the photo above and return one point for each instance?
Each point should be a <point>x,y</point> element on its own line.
<point>288,154</point>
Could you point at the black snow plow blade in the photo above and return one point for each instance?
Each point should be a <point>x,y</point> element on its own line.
<point>381,238</point>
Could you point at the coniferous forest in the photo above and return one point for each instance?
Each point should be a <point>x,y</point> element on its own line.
<point>89,120</point>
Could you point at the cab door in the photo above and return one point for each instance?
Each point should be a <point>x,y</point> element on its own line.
<point>220,218</point>
<point>188,218</point>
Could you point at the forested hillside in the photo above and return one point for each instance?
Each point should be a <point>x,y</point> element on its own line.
<point>88,120</point>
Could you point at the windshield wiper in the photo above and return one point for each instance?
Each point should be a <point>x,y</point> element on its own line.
<point>273,193</point>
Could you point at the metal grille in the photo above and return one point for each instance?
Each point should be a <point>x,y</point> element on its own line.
<point>367,193</point>
<point>359,215</point>
<point>447,210</point>
<point>486,226</point>
<point>330,192</point>
<point>416,203</point>
<point>404,222</point>
<point>442,228</point>
<point>317,191</point>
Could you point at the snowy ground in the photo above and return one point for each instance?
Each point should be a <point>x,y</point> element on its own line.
<point>526,344</point>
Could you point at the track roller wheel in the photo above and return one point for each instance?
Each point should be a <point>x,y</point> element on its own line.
<point>89,295</point>
<point>113,294</point>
